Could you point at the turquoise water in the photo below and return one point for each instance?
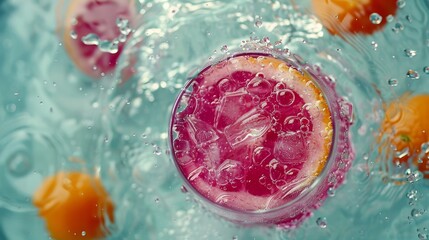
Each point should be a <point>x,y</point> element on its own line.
<point>51,111</point>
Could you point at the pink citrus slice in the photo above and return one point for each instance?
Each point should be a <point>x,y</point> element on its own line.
<point>251,132</point>
<point>99,18</point>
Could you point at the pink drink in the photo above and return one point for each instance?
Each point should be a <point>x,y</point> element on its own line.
<point>260,140</point>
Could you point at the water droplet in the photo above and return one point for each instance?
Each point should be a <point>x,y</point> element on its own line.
<point>234,238</point>
<point>426,69</point>
<point>410,53</point>
<point>121,22</point>
<point>412,194</point>
<point>331,192</point>
<point>409,18</point>
<point>398,27</point>
<point>91,39</point>
<point>413,176</point>
<point>375,18</point>
<point>122,38</point>
<point>393,82</point>
<point>401,3</point>
<point>374,45</point>
<point>156,150</point>
<point>423,236</point>
<point>73,34</point>
<point>258,23</point>
<point>156,200</point>
<point>412,74</point>
<point>183,189</point>
<point>321,222</point>
<point>224,49</point>
<point>415,213</point>
<point>389,18</point>
<point>109,47</point>
<point>83,233</point>
<point>425,147</point>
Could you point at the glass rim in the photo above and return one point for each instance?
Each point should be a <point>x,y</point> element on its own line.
<point>308,189</point>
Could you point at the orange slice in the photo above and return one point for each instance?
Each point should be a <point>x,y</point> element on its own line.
<point>406,126</point>
<point>354,16</point>
<point>74,206</point>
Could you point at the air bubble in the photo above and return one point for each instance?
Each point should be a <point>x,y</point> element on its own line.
<point>331,192</point>
<point>121,22</point>
<point>109,47</point>
<point>412,74</point>
<point>393,82</point>
<point>156,150</point>
<point>415,213</point>
<point>412,194</point>
<point>401,3</point>
<point>91,39</point>
<point>398,27</point>
<point>412,176</point>
<point>183,189</point>
<point>321,222</point>
<point>285,97</point>
<point>375,18</point>
<point>73,34</point>
<point>410,53</point>
<point>258,23</point>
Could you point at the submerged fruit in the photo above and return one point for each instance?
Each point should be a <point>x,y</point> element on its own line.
<point>354,16</point>
<point>89,23</point>
<point>74,205</point>
<point>254,133</point>
<point>406,127</point>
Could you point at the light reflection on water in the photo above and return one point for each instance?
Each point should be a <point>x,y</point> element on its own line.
<point>120,130</point>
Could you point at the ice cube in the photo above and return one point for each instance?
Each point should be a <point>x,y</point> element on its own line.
<point>248,128</point>
<point>229,171</point>
<point>232,106</point>
<point>199,131</point>
<point>290,148</point>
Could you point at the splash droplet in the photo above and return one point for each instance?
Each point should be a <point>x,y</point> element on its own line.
<point>413,74</point>
<point>375,18</point>
<point>73,34</point>
<point>258,23</point>
<point>393,82</point>
<point>415,213</point>
<point>410,53</point>
<point>91,39</point>
<point>398,27</point>
<point>321,222</point>
<point>401,3</point>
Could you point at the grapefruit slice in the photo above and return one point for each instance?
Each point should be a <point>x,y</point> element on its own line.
<point>101,20</point>
<point>406,126</point>
<point>354,16</point>
<point>74,206</point>
<point>251,132</point>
